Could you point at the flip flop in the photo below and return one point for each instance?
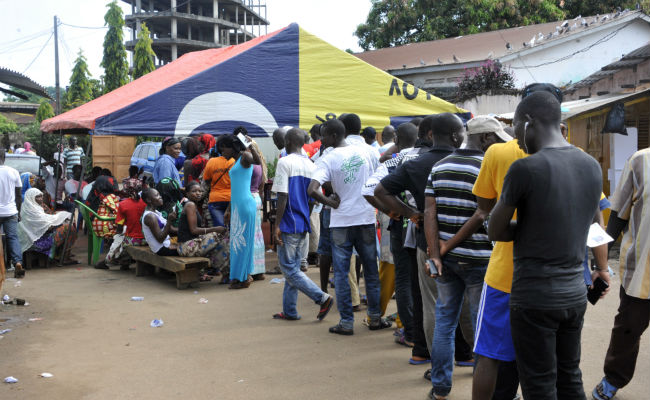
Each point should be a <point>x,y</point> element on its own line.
<point>205,278</point>
<point>281,315</point>
<point>418,362</point>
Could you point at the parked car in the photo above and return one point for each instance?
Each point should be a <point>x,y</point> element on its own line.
<point>23,162</point>
<point>145,156</point>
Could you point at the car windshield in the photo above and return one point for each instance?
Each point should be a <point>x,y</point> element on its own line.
<point>23,164</point>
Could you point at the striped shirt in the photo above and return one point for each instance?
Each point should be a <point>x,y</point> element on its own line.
<point>72,157</point>
<point>631,202</point>
<point>451,182</point>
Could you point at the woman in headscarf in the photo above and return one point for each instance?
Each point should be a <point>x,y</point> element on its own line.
<point>43,232</point>
<point>257,186</point>
<point>103,200</point>
<point>165,166</point>
<point>173,198</point>
<point>28,149</point>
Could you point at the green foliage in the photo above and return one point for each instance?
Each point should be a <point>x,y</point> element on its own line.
<point>144,55</point>
<point>44,111</point>
<point>574,8</point>
<point>96,88</point>
<point>398,22</point>
<point>80,90</point>
<point>271,166</point>
<point>491,76</point>
<point>114,61</point>
<point>7,125</point>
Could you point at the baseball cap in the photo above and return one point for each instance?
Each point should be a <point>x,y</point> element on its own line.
<point>486,124</point>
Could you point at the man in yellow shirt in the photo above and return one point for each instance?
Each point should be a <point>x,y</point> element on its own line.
<point>492,340</point>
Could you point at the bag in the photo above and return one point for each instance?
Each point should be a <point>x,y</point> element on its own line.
<point>615,121</point>
<point>116,247</point>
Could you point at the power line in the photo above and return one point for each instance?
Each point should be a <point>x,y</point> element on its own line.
<point>83,27</point>
<point>568,56</point>
<point>9,46</point>
<point>39,52</point>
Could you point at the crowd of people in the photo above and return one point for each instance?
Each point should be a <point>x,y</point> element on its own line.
<point>478,230</point>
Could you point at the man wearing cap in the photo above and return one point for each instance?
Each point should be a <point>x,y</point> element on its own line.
<point>457,241</point>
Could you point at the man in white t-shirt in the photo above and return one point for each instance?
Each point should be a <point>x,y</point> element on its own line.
<point>352,222</point>
<point>352,124</point>
<point>10,201</point>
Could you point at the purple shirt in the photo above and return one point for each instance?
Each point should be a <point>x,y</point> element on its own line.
<point>256,179</point>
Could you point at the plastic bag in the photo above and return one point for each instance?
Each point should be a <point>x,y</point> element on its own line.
<point>615,121</point>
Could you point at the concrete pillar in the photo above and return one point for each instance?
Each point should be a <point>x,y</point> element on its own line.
<point>174,51</point>
<point>150,5</point>
<point>237,22</point>
<point>215,14</point>
<point>174,26</point>
<point>138,10</point>
<point>245,30</point>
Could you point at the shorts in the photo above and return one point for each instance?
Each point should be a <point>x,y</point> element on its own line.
<point>325,240</point>
<point>493,338</point>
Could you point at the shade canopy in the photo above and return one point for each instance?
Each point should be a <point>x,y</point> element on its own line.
<point>287,77</point>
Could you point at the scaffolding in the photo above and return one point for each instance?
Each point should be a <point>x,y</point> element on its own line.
<point>181,26</point>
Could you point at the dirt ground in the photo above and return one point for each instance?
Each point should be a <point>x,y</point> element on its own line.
<point>98,344</point>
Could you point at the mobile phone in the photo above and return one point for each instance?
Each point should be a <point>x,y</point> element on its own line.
<point>597,289</point>
<point>433,270</point>
<point>242,139</point>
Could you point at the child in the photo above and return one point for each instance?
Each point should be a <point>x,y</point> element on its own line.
<point>292,178</point>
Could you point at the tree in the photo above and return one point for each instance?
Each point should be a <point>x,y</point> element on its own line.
<point>397,22</point>
<point>80,89</point>
<point>96,88</point>
<point>7,125</point>
<point>44,111</point>
<point>574,8</point>
<point>144,55</point>
<point>490,77</point>
<point>114,61</point>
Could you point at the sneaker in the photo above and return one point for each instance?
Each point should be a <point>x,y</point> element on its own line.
<point>434,396</point>
<point>325,308</point>
<point>101,265</point>
<point>341,330</point>
<point>379,323</point>
<point>604,390</point>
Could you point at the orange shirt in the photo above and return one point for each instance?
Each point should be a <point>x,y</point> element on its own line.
<point>216,171</point>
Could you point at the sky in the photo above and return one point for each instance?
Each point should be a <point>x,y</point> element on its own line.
<point>26,44</point>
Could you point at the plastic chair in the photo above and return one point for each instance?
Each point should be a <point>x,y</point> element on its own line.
<point>94,241</point>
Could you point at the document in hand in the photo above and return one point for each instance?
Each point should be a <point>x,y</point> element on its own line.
<point>597,236</point>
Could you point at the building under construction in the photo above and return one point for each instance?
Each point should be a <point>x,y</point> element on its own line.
<point>181,26</point>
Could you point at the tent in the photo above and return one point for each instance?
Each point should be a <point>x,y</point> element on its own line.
<point>284,78</point>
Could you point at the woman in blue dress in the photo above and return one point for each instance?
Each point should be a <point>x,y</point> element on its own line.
<point>243,209</point>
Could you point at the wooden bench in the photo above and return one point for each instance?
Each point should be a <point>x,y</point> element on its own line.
<point>186,268</point>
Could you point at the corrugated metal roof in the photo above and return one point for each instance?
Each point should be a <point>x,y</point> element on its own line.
<point>483,46</point>
<point>577,107</point>
<point>20,81</point>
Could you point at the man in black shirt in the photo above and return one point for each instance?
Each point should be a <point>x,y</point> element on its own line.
<point>446,132</point>
<point>555,192</point>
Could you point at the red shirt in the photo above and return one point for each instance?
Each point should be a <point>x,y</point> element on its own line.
<point>312,148</point>
<point>129,213</point>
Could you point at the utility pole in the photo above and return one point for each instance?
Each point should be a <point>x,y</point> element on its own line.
<point>56,66</point>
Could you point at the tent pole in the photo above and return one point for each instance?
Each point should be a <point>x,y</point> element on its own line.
<point>71,223</point>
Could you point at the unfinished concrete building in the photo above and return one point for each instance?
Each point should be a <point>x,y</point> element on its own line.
<point>181,26</point>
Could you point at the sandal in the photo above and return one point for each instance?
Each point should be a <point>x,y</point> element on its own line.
<point>205,278</point>
<point>427,374</point>
<point>258,277</point>
<point>283,316</point>
<point>413,361</point>
<point>402,340</point>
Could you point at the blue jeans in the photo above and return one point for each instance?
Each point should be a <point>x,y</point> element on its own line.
<point>289,256</point>
<point>217,210</point>
<point>363,239</point>
<point>10,227</point>
<point>457,279</point>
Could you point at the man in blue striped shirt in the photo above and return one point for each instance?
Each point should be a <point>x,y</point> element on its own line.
<point>72,156</point>
<point>458,243</point>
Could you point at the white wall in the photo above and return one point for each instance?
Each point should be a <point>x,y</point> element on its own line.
<point>488,104</point>
<point>580,65</point>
